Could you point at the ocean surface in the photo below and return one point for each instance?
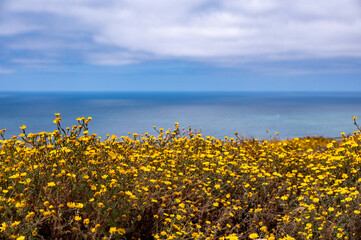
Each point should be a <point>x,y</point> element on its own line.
<point>215,114</point>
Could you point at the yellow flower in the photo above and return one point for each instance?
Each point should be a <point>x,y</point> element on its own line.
<point>3,226</point>
<point>287,238</point>
<point>284,198</point>
<point>315,200</point>
<point>47,213</point>
<point>14,224</point>
<point>71,204</point>
<point>77,218</point>
<point>113,230</point>
<point>79,205</point>
<point>357,212</point>
<point>51,184</point>
<point>20,238</point>
<point>86,221</point>
<point>230,237</point>
<point>215,204</point>
<point>253,236</point>
<point>30,215</point>
<point>57,120</point>
<point>22,127</point>
<point>263,229</point>
<point>35,232</point>
<point>121,231</point>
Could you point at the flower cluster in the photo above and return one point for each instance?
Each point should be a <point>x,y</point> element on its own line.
<point>178,184</point>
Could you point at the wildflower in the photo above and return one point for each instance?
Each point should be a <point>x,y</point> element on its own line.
<point>253,236</point>
<point>51,184</point>
<point>287,238</point>
<point>86,221</point>
<point>230,237</point>
<point>30,215</point>
<point>77,218</point>
<point>3,226</point>
<point>14,176</point>
<point>113,230</point>
<point>20,238</point>
<point>14,224</point>
<point>121,231</point>
<point>47,213</point>
<point>284,198</point>
<point>79,205</point>
<point>57,120</point>
<point>315,200</point>
<point>71,204</point>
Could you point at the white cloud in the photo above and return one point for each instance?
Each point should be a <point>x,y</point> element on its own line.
<point>39,63</point>
<point>32,61</point>
<point>201,30</point>
<point>112,59</point>
<point>294,71</point>
<point>5,71</point>
<point>8,28</point>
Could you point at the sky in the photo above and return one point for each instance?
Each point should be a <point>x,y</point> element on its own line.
<point>180,45</point>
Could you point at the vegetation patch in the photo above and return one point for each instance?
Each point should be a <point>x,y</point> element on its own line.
<point>70,184</point>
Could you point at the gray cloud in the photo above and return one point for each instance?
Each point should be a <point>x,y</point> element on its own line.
<point>200,30</point>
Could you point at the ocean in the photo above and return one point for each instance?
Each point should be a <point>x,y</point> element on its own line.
<point>216,114</point>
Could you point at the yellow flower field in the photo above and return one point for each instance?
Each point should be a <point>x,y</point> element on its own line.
<point>70,184</point>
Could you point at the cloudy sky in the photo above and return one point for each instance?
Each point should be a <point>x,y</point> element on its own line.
<point>180,45</point>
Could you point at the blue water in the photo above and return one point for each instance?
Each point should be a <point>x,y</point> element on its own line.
<point>216,114</point>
